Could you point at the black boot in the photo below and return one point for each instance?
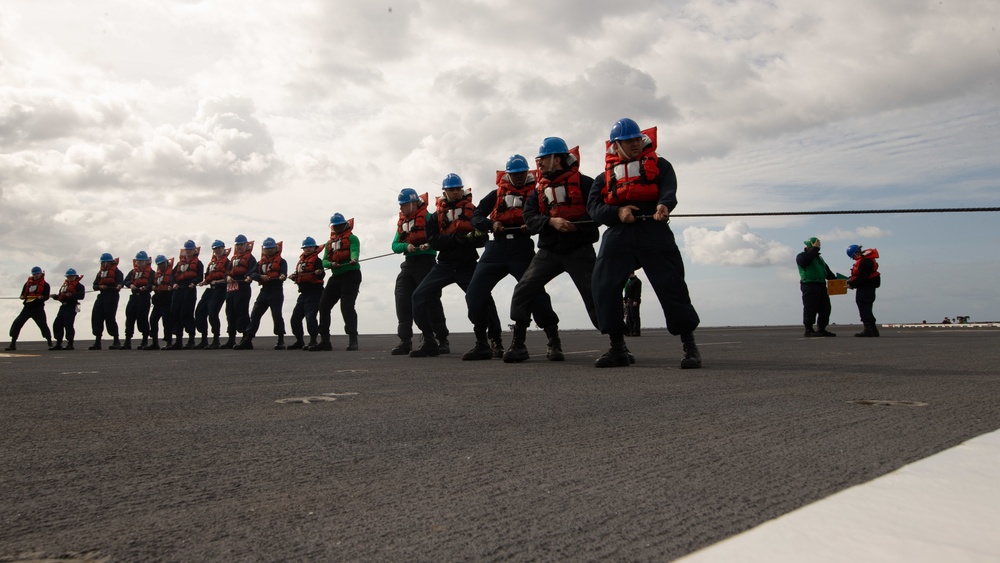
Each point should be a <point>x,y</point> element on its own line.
<point>145,342</point>
<point>553,351</point>
<point>203,343</point>
<point>246,343</point>
<point>428,347</point>
<point>617,356</point>
<point>692,357</point>
<point>215,343</point>
<point>155,345</point>
<point>323,346</point>
<point>281,342</point>
<point>874,330</point>
<point>444,347</point>
<point>821,331</point>
<point>809,333</point>
<point>403,348</point>
<point>178,343</point>
<point>497,346</point>
<point>116,345</point>
<point>128,343</point>
<point>312,342</point>
<point>69,345</point>
<point>517,352</point>
<point>481,351</point>
<point>58,346</point>
<point>352,342</point>
<point>12,347</point>
<point>297,345</point>
<point>230,343</point>
<point>96,345</point>
<point>190,342</point>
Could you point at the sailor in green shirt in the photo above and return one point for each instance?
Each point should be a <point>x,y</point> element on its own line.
<point>341,258</point>
<point>411,242</point>
<point>813,273</point>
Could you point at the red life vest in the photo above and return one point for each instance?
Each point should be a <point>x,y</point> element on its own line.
<point>238,265</point>
<point>412,228</point>
<point>108,278</point>
<point>68,289</point>
<point>187,267</point>
<point>34,288</point>
<point>455,217</point>
<point>216,269</point>
<point>163,280</point>
<point>305,270</point>
<point>269,267</point>
<point>509,207</point>
<point>141,275</point>
<point>633,181</point>
<point>338,248</point>
<point>872,255</point>
<point>563,196</point>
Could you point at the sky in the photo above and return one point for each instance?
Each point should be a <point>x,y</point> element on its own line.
<point>136,125</point>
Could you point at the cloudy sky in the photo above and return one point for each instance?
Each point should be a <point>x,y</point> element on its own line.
<point>136,125</point>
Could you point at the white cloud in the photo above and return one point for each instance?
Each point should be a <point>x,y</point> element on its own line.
<point>858,234</point>
<point>734,245</point>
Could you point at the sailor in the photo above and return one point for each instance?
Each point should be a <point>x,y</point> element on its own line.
<point>107,284</point>
<point>210,305</point>
<point>163,293</point>
<point>308,275</point>
<point>271,272</point>
<point>69,297</point>
<point>139,281</point>
<point>188,273</point>
<point>34,294</point>
<point>634,197</point>
<point>238,290</point>
<point>340,256</point>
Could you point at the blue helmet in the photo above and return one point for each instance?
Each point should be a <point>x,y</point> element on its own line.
<point>160,259</point>
<point>36,270</point>
<point>452,181</point>
<point>338,219</point>
<point>141,255</point>
<point>625,129</point>
<point>218,244</point>
<point>308,241</point>
<point>552,145</point>
<point>240,239</point>
<point>516,163</point>
<point>408,195</point>
<point>70,272</point>
<point>189,245</point>
<point>269,243</point>
<point>107,257</point>
<point>852,250</point>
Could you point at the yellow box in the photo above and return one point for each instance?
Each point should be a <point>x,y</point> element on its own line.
<point>836,287</point>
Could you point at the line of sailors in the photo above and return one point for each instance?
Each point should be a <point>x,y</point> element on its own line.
<point>633,197</point>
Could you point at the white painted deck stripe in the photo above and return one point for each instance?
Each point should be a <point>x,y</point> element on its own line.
<point>942,508</point>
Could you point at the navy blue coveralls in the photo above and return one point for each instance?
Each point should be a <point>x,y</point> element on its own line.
<point>137,308</point>
<point>646,244</point>
<point>271,296</point>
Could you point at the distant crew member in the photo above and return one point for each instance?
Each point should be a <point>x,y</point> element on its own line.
<point>632,298</point>
<point>865,279</point>
<point>813,273</point>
